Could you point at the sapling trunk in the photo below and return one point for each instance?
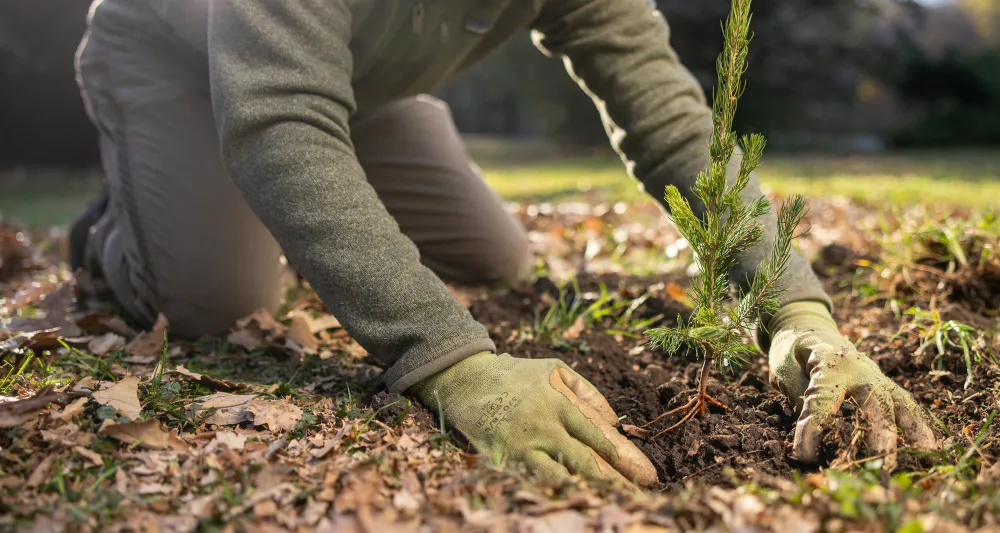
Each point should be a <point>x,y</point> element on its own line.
<point>728,228</point>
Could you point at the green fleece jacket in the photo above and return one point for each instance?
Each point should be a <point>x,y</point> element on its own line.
<point>286,76</point>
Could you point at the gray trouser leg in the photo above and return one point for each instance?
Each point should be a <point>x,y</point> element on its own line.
<point>179,238</point>
<point>413,156</point>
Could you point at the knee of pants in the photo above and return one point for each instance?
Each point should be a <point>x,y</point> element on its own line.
<point>501,259</point>
<point>209,299</point>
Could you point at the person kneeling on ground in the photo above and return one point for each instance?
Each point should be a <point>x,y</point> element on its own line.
<point>234,130</point>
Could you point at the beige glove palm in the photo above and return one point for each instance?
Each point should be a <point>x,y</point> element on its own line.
<point>537,412</point>
<point>818,369</point>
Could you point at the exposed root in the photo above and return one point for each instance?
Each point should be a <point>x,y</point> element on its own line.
<point>696,405</point>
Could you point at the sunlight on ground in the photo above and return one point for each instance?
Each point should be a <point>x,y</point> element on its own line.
<point>952,179</point>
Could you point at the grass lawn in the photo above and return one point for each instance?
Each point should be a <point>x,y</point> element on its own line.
<point>940,179</point>
<point>40,206</point>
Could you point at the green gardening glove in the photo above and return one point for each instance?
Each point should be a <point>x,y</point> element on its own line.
<point>538,412</point>
<point>818,369</point>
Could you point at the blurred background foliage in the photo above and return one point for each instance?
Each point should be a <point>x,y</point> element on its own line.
<point>835,75</point>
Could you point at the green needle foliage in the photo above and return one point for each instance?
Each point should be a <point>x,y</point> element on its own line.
<point>729,227</point>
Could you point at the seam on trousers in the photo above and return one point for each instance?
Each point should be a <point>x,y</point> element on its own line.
<point>129,200</point>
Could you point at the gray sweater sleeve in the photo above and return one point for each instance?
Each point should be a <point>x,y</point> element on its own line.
<point>653,109</point>
<point>282,97</point>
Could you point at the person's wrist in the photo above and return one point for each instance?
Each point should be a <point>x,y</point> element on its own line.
<point>810,317</point>
<point>429,389</point>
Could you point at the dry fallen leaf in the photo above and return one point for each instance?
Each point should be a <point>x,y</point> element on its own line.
<point>103,323</point>
<point>231,439</point>
<point>300,333</point>
<point>94,458</point>
<point>678,293</point>
<point>277,415</point>
<point>264,320</point>
<point>231,409</point>
<point>13,413</point>
<point>574,331</point>
<point>356,350</point>
<point>265,509</point>
<point>272,475</point>
<point>563,522</point>
<point>200,507</point>
<point>405,503</point>
<point>45,331</point>
<point>149,433</point>
<point>255,331</point>
<point>612,518</point>
<point>246,338</point>
<point>322,322</point>
<point>44,338</point>
<point>73,409</point>
<point>123,396</point>
<point>149,343</point>
<point>330,444</point>
<point>154,488</point>
<point>106,343</point>
<point>41,472</point>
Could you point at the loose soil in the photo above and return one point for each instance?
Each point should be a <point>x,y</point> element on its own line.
<point>753,439</point>
<point>640,384</point>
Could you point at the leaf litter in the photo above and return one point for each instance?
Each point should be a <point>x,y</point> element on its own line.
<point>122,396</point>
<point>314,449</point>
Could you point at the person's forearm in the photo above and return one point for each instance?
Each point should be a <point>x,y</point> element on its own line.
<point>280,76</point>
<point>654,110</point>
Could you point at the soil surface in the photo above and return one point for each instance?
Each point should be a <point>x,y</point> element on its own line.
<point>753,439</point>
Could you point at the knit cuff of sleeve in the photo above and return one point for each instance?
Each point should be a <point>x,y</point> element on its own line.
<point>409,371</point>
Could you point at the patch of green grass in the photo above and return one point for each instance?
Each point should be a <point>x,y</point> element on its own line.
<point>516,172</point>
<point>574,311</point>
<point>945,336</point>
<point>949,241</point>
<point>12,369</point>
<point>78,363</point>
<point>42,205</point>
<point>940,179</point>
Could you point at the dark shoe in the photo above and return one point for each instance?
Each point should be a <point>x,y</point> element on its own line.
<point>92,292</point>
<point>80,232</point>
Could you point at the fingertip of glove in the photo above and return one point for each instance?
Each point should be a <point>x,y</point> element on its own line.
<point>805,447</point>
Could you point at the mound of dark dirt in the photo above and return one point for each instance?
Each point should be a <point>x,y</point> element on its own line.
<point>753,438</point>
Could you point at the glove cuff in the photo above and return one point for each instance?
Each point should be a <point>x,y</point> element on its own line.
<point>450,377</point>
<point>812,315</point>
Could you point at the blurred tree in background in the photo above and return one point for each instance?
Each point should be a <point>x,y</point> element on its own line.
<point>42,120</point>
<point>958,96</point>
<point>954,87</point>
<point>833,74</point>
<point>808,60</point>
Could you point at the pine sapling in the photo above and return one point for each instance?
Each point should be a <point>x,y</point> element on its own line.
<point>729,227</point>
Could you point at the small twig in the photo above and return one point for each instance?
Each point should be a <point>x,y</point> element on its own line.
<point>973,396</point>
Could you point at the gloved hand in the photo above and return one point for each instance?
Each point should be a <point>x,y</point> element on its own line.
<point>538,412</point>
<point>818,369</point>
